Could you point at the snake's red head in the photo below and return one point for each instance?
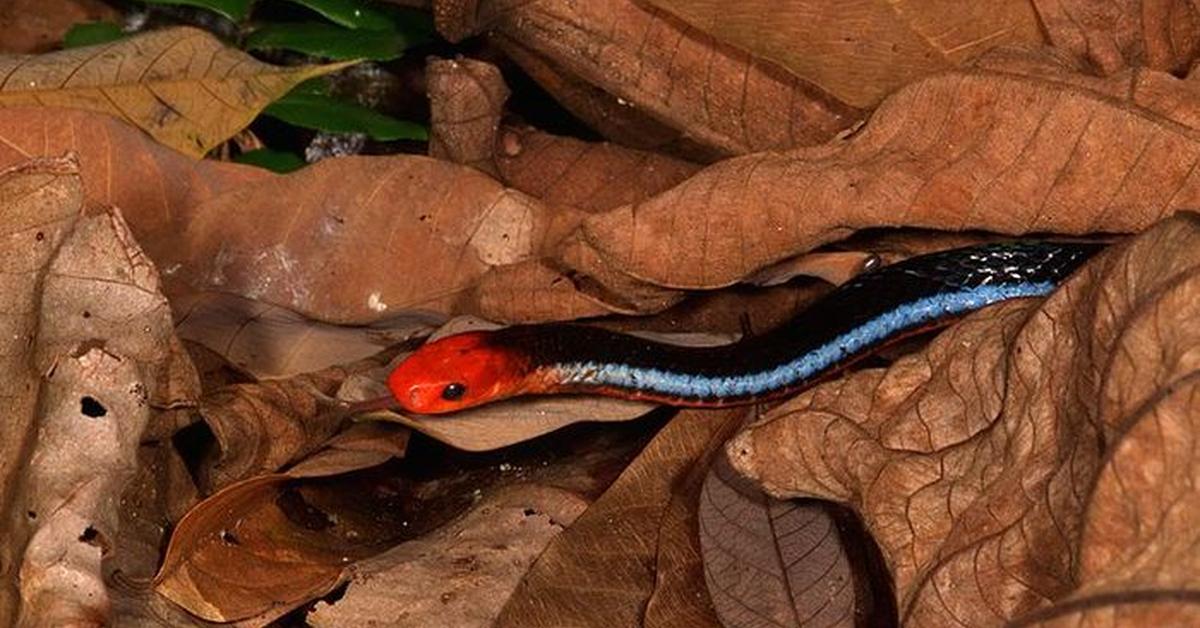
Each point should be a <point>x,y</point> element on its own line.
<point>458,372</point>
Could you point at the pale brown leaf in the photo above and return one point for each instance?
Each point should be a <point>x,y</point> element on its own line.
<point>229,561</point>
<point>90,334</point>
<point>1035,458</point>
<point>181,85</point>
<point>269,341</point>
<point>611,116</point>
<point>260,427</point>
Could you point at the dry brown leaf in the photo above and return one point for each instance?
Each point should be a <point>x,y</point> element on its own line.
<point>154,186</point>
<point>32,26</point>
<point>1162,34</point>
<point>94,355</point>
<point>261,427</point>
<point>1037,457</point>
<point>600,572</point>
<point>181,85</point>
<point>772,562</point>
<point>531,292</point>
<point>588,175</point>
<point>461,574</point>
<point>862,50</point>
<point>355,240</point>
<point>609,115</point>
<point>267,544</point>
<point>716,95</point>
<point>269,341</point>
<point>238,555</point>
<point>466,100</point>
<point>359,446</point>
<point>968,150</point>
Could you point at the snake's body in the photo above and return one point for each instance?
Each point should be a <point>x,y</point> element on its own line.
<point>873,309</point>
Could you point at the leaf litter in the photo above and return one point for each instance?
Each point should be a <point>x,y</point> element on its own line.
<point>989,464</point>
<point>1005,472</point>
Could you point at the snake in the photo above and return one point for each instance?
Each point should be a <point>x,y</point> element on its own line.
<point>852,321</point>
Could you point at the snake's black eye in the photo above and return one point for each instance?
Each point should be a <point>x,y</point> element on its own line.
<point>453,391</point>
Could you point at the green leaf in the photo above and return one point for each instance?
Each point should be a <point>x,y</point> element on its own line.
<point>355,14</point>
<point>280,161</point>
<point>236,10</point>
<point>328,41</point>
<point>92,33</point>
<point>316,111</point>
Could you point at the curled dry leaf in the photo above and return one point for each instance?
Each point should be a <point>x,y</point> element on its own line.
<point>154,186</point>
<point>966,150</point>
<point>865,49</point>
<point>461,574</point>
<point>600,572</point>
<point>1037,457</point>
<point>239,555</point>
<point>466,100</point>
<point>94,353</point>
<point>270,341</point>
<point>716,95</point>
<point>354,240</point>
<point>262,426</point>
<point>181,85</point>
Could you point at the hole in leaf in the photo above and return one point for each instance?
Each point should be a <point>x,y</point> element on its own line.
<point>89,535</point>
<point>92,408</point>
